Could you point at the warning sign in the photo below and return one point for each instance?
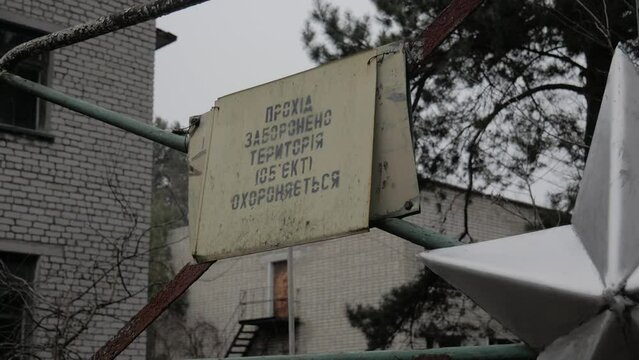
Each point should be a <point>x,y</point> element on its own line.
<point>285,163</point>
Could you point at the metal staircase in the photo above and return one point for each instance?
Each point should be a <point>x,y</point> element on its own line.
<point>241,343</point>
<point>253,316</point>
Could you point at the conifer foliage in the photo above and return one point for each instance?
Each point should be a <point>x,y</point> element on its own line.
<point>509,100</point>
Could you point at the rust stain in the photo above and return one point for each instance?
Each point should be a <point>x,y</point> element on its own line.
<point>169,293</point>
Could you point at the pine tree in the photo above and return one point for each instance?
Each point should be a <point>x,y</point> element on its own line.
<point>510,98</point>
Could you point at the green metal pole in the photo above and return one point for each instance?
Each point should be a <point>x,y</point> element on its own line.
<point>493,352</point>
<point>174,141</point>
<point>427,238</point>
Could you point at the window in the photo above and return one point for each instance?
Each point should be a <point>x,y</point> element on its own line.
<point>17,108</point>
<point>16,275</point>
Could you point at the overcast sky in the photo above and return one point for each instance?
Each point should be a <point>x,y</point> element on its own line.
<point>228,45</point>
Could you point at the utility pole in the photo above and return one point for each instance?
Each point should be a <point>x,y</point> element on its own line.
<point>291,303</point>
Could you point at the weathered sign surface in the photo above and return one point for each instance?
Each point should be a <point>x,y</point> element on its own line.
<point>394,191</point>
<point>285,163</point>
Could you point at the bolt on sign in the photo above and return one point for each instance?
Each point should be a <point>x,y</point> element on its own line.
<point>309,157</point>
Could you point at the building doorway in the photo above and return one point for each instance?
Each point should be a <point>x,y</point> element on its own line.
<point>280,289</point>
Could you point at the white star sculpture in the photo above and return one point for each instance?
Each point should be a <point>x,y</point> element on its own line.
<point>571,292</point>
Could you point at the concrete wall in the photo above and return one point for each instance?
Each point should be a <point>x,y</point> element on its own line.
<point>78,192</point>
<point>353,270</point>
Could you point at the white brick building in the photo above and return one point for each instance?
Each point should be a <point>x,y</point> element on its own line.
<point>74,193</point>
<point>328,275</point>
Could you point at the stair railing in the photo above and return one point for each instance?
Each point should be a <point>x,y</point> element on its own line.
<point>232,326</point>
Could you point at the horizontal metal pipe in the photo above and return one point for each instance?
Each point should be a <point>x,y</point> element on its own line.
<point>492,352</point>
<point>150,132</point>
<point>427,238</point>
<point>106,24</point>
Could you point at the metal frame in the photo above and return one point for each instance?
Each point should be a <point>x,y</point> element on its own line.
<point>426,43</point>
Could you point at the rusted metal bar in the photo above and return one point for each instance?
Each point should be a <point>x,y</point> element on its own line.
<point>169,293</point>
<point>106,24</point>
<point>445,23</point>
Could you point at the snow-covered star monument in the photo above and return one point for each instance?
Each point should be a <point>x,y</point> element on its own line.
<point>572,292</point>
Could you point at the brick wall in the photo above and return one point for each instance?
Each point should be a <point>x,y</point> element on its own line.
<point>352,270</point>
<point>81,195</point>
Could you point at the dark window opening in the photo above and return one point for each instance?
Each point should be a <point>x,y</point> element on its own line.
<point>18,108</point>
<point>17,273</point>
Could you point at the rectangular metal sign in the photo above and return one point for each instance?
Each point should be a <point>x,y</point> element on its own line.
<point>285,163</point>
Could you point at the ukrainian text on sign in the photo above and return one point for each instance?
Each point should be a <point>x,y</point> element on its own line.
<point>289,162</point>
<point>281,151</point>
